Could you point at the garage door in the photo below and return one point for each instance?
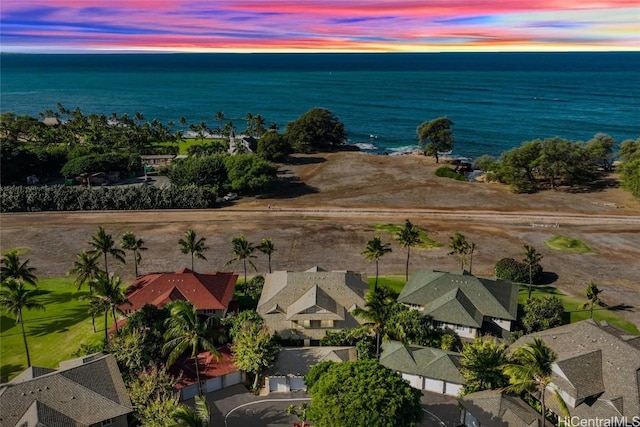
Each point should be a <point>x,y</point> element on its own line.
<point>414,380</point>
<point>297,383</point>
<point>452,389</point>
<point>278,384</point>
<point>233,378</point>
<point>435,386</point>
<point>213,384</point>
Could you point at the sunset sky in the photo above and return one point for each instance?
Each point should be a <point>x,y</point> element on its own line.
<point>318,25</point>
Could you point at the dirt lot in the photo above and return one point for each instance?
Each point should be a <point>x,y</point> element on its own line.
<point>324,210</point>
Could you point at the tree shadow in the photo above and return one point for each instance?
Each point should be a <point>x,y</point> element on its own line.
<point>6,323</point>
<point>289,187</point>
<point>306,160</point>
<point>547,278</point>
<point>60,297</point>
<point>9,370</point>
<point>599,184</point>
<point>49,325</point>
<point>618,307</point>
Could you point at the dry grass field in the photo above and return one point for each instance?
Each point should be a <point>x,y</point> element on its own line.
<point>324,210</point>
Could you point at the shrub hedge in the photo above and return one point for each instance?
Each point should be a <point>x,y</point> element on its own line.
<point>516,271</point>
<point>63,198</point>
<point>447,172</point>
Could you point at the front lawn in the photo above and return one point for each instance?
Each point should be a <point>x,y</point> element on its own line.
<point>53,335</point>
<point>394,282</point>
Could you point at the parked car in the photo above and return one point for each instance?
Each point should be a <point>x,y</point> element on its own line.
<point>230,197</point>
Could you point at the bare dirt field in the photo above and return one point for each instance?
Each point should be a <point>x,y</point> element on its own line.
<point>324,211</point>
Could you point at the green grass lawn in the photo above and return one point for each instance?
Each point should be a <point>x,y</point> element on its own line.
<point>572,308</point>
<point>394,282</point>
<point>567,244</point>
<point>53,335</point>
<point>184,146</point>
<point>393,229</point>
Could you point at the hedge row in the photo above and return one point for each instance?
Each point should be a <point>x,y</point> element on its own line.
<point>63,198</point>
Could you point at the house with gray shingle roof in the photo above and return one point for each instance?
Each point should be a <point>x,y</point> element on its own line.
<point>88,392</point>
<point>305,305</point>
<point>425,368</point>
<point>491,408</point>
<point>462,303</point>
<point>597,372</point>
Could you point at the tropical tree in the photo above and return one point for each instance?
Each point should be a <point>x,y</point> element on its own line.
<point>108,296</point>
<point>14,298</point>
<point>317,129</point>
<point>380,306</point>
<point>301,411</point>
<point>191,244</point>
<point>193,417</point>
<point>86,268</point>
<point>532,261</point>
<point>530,370</point>
<point>267,247</point>
<point>542,313</point>
<point>103,244</point>
<point>362,393</point>
<point>131,243</point>
<point>374,251</point>
<point>593,295</point>
<point>459,246</point>
<point>185,330</point>
<point>254,349</point>
<point>435,136</point>
<point>12,268</point>
<point>242,250</point>
<point>408,236</point>
<point>481,364</point>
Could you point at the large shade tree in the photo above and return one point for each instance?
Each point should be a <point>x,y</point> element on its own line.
<point>103,244</point>
<point>317,129</point>
<point>186,331</point>
<point>14,298</point>
<point>361,394</point>
<point>407,237</point>
<point>530,371</point>
<point>435,136</point>
<point>254,349</point>
<point>132,243</point>
<point>190,244</point>
<point>374,251</point>
<point>13,268</point>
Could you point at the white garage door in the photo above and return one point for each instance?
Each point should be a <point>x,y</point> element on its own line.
<point>452,389</point>
<point>233,378</point>
<point>414,380</point>
<point>297,383</point>
<point>435,386</point>
<point>278,384</point>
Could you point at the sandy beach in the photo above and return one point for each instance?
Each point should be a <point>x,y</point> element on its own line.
<point>324,211</point>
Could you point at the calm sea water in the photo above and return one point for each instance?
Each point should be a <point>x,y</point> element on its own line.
<point>496,100</point>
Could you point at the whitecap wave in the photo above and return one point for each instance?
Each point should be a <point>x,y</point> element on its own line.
<point>365,146</point>
<point>405,149</point>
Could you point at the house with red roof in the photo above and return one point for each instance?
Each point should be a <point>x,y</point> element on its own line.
<point>210,293</point>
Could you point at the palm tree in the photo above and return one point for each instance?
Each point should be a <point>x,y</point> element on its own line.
<point>242,250</point>
<point>530,370</point>
<point>185,330</point>
<point>374,251</point>
<point>108,296</point>
<point>85,267</point>
<point>459,246</point>
<point>131,243</point>
<point>191,244</point>
<point>593,296</point>
<point>103,244</point>
<point>531,259</point>
<point>267,247</point>
<point>379,305</point>
<point>14,297</point>
<point>481,364</point>
<point>12,268</point>
<point>193,417</point>
<point>408,236</point>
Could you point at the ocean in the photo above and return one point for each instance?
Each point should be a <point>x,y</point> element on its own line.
<point>496,100</point>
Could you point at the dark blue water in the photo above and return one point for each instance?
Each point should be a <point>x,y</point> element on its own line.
<point>496,100</point>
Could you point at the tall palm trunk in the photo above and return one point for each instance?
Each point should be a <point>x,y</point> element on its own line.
<point>244,264</point>
<point>269,258</point>
<point>530,280</point>
<point>106,321</point>
<point>24,338</point>
<point>406,274</point>
<point>106,269</point>
<point>115,321</point>
<point>192,262</point>
<point>375,285</point>
<point>198,374</point>
<point>471,263</point>
<point>135,261</point>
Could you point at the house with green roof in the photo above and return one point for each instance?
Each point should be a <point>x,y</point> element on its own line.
<point>425,368</point>
<point>464,304</point>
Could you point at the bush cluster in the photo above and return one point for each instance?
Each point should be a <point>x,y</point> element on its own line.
<point>516,271</point>
<point>63,198</point>
<point>447,172</point>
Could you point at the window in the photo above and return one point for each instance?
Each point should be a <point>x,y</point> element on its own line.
<point>107,422</point>
<point>326,323</point>
<point>461,328</point>
<point>315,324</point>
